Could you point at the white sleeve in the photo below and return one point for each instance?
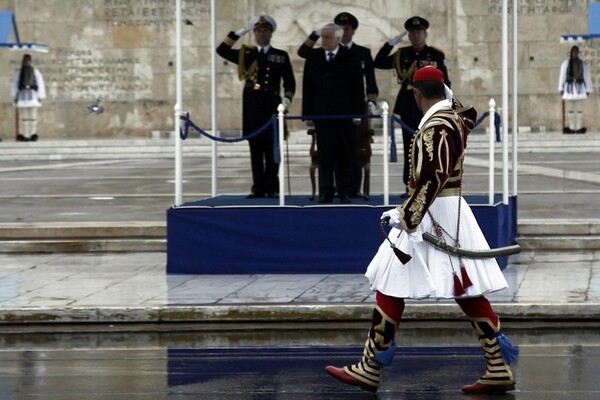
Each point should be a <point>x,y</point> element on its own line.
<point>14,85</point>
<point>41,92</point>
<point>587,78</point>
<point>562,78</point>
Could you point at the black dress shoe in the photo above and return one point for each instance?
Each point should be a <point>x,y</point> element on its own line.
<point>255,196</point>
<point>325,200</point>
<point>568,130</point>
<point>21,138</point>
<point>33,138</point>
<point>582,130</point>
<point>272,195</point>
<point>345,200</point>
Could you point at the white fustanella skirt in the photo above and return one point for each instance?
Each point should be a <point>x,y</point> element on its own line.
<point>429,274</point>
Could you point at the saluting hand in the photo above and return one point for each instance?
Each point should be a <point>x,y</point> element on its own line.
<point>397,39</point>
<point>242,31</point>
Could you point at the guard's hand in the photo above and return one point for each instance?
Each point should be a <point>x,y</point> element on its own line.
<point>397,39</point>
<point>309,122</point>
<point>287,102</point>
<point>242,31</point>
<point>372,107</point>
<point>318,32</point>
<point>392,218</point>
<point>356,121</point>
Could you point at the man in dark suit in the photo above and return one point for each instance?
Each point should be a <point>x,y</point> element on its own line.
<point>349,24</point>
<point>405,61</point>
<point>263,68</point>
<point>333,85</point>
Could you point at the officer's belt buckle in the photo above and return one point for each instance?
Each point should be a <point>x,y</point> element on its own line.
<point>256,86</point>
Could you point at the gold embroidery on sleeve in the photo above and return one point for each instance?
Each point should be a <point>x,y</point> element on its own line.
<point>428,140</point>
<point>418,206</point>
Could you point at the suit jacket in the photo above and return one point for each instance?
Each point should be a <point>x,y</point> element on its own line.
<point>364,56</point>
<point>334,87</point>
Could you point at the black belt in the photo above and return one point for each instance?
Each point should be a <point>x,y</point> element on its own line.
<point>264,88</point>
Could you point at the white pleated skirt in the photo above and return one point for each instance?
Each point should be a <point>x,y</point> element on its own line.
<point>575,91</point>
<point>429,274</point>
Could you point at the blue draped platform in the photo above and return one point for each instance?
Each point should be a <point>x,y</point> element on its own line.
<point>235,235</point>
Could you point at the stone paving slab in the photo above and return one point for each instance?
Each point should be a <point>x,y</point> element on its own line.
<point>134,288</point>
<point>90,196</point>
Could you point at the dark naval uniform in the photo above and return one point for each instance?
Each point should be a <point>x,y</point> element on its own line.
<point>405,61</point>
<point>263,74</point>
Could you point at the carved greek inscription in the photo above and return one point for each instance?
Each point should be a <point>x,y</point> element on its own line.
<point>539,7</point>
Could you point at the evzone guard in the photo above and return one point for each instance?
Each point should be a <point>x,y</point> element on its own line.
<point>412,268</point>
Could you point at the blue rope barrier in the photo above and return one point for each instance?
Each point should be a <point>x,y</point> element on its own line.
<point>393,149</point>
<point>189,123</point>
<point>497,122</point>
<point>273,122</point>
<point>339,116</point>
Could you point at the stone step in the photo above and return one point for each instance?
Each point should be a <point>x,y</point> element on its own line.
<point>75,245</point>
<point>83,230</point>
<point>82,237</point>
<point>559,243</point>
<point>298,145</point>
<point>559,235</point>
<point>533,235</point>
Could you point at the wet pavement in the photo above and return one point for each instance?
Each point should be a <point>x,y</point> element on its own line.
<point>112,187</point>
<point>102,325</point>
<point>268,364</point>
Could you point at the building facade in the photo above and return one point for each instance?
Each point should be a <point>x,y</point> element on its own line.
<point>123,53</point>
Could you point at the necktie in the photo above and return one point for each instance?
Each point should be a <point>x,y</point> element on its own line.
<point>329,56</point>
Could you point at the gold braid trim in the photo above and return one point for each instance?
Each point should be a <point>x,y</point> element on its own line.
<point>419,205</point>
<point>250,73</point>
<point>309,42</point>
<point>403,76</point>
<point>229,41</point>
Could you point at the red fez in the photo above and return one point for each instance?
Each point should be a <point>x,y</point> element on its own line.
<point>428,73</point>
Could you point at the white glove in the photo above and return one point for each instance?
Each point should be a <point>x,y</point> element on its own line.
<point>318,32</point>
<point>287,102</point>
<point>397,39</point>
<point>393,218</point>
<point>372,107</point>
<point>241,32</point>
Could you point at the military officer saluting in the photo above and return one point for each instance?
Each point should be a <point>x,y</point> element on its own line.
<point>405,61</point>
<point>263,68</point>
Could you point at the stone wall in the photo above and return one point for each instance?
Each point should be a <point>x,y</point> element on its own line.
<point>123,52</point>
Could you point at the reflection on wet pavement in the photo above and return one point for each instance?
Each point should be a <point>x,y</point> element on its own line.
<point>431,363</point>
